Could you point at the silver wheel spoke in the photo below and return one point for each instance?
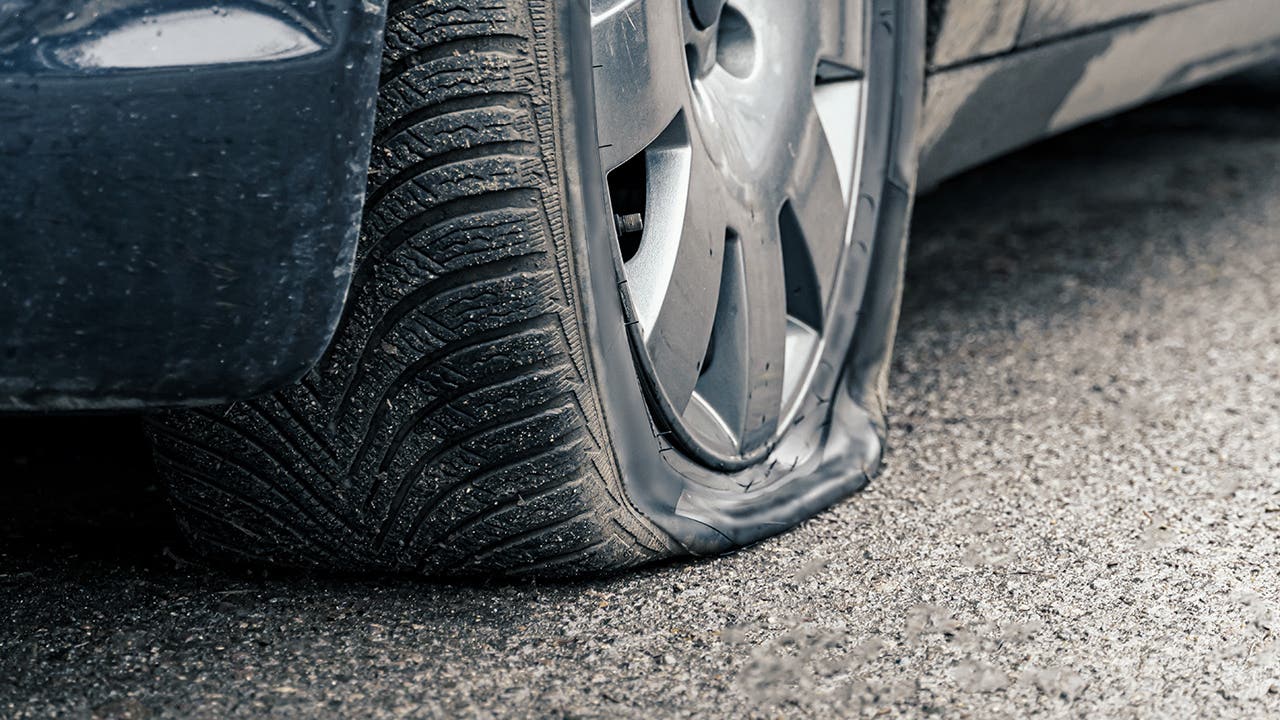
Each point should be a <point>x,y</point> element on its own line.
<point>723,389</point>
<point>819,204</point>
<point>639,56</point>
<point>743,384</point>
<point>841,41</point>
<point>839,109</point>
<point>676,312</point>
<point>764,346</point>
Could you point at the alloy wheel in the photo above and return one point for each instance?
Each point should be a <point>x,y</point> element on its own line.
<point>730,135</point>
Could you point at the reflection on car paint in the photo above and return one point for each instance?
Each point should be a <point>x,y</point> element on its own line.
<point>87,35</point>
<point>211,36</point>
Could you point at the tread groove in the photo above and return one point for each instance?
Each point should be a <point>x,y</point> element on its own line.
<point>446,351</point>
<point>451,444</point>
<point>518,373</point>
<point>298,420</point>
<point>453,157</point>
<point>564,558</point>
<point>480,101</point>
<point>258,445</point>
<point>212,483</point>
<point>429,361</point>
<point>531,533</point>
<point>488,272</point>
<point>458,210</point>
<point>485,473</point>
<point>505,505</point>
<point>496,44</point>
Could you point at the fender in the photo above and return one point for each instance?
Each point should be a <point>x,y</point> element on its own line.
<point>180,194</point>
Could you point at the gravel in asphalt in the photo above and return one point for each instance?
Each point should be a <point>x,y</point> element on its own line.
<point>1080,515</point>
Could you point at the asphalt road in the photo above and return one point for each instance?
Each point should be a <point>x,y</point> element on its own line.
<point>1080,516</point>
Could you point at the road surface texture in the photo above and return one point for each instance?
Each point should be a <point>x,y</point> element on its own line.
<point>1080,515</point>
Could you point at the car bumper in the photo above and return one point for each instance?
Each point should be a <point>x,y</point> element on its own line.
<point>180,194</point>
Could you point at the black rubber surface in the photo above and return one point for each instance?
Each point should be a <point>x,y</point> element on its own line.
<point>449,429</point>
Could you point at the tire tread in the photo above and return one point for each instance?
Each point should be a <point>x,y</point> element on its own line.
<point>451,428</point>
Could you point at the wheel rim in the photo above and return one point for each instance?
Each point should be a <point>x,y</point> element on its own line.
<point>730,136</point>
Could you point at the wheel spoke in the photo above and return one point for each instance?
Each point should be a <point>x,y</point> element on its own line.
<point>722,390</point>
<point>639,58</point>
<point>765,326</point>
<point>841,41</point>
<point>839,109</point>
<point>743,383</point>
<point>674,278</point>
<point>819,205</point>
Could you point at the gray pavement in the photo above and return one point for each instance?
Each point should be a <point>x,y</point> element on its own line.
<point>1080,515</point>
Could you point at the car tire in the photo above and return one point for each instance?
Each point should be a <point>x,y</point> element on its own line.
<point>490,403</point>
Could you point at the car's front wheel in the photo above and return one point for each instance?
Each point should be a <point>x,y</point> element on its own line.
<point>626,289</point>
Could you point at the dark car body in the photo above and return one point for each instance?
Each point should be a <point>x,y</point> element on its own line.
<point>180,192</point>
<point>181,180</point>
